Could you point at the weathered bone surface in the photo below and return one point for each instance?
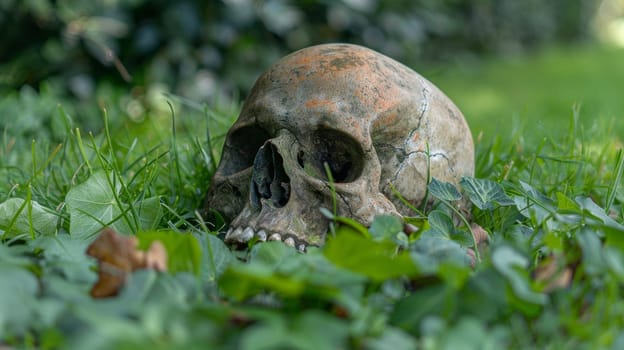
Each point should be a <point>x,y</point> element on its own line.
<point>371,120</point>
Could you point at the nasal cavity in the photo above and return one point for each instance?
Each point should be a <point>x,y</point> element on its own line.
<point>269,179</point>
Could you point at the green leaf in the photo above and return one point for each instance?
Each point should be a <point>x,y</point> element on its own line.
<point>485,193</point>
<point>241,281</point>
<point>183,250</point>
<point>309,330</point>
<point>94,204</point>
<point>14,254</point>
<point>18,288</point>
<point>216,257</point>
<point>432,249</point>
<point>18,216</point>
<point>270,254</point>
<point>66,254</point>
<point>615,261</point>
<point>429,300</point>
<point>385,227</point>
<point>149,213</point>
<point>595,217</point>
<point>376,260</point>
<point>281,269</point>
<point>442,223</point>
<point>513,265</point>
<point>392,339</point>
<point>471,333</point>
<point>566,204</point>
<point>593,255</point>
<point>454,275</point>
<point>533,204</point>
<point>484,295</point>
<point>443,190</point>
<point>352,224</point>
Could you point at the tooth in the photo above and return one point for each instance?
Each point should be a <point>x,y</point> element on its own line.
<point>247,234</point>
<point>262,235</point>
<point>301,248</point>
<point>233,234</point>
<point>289,242</point>
<point>275,237</point>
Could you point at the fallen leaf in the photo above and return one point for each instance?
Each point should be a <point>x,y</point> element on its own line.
<point>552,274</point>
<point>118,256</point>
<point>481,237</point>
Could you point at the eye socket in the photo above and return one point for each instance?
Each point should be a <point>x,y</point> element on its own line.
<point>241,147</point>
<point>342,154</point>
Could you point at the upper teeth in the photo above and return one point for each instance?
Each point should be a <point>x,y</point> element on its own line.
<point>243,235</point>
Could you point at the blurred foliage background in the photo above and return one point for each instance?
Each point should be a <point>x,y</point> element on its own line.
<point>124,54</point>
<point>199,47</point>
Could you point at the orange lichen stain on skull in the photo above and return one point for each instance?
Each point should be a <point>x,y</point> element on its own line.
<point>317,103</point>
<point>348,62</point>
<point>373,99</point>
<point>304,59</point>
<point>416,137</point>
<point>385,120</point>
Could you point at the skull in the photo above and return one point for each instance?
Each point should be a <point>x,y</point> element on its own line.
<point>367,120</point>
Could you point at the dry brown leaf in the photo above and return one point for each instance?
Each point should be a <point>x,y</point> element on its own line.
<point>553,274</point>
<point>481,237</point>
<point>118,256</point>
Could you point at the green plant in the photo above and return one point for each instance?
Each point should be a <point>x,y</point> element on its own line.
<point>554,204</point>
<point>200,48</point>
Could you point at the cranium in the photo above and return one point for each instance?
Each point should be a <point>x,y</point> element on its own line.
<point>371,121</point>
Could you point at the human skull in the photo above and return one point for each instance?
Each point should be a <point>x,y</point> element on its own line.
<point>372,122</point>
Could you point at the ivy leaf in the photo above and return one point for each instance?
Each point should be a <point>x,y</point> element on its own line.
<point>149,213</point>
<point>432,250</point>
<point>94,205</point>
<point>595,217</point>
<point>240,281</point>
<point>443,190</point>
<point>18,289</point>
<point>307,330</point>
<point>484,193</point>
<point>274,266</point>
<point>376,260</point>
<point>392,338</point>
<point>429,300</point>
<point>66,254</point>
<point>441,222</point>
<point>216,257</point>
<point>593,255</point>
<point>594,211</point>
<point>385,227</point>
<point>18,216</point>
<point>533,204</point>
<point>270,254</point>
<point>513,266</point>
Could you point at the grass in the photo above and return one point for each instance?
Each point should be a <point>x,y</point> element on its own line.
<point>537,92</point>
<point>549,200</point>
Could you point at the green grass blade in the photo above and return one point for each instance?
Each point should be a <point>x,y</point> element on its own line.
<point>619,170</point>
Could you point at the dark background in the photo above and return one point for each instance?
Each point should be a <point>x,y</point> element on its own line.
<point>199,49</point>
